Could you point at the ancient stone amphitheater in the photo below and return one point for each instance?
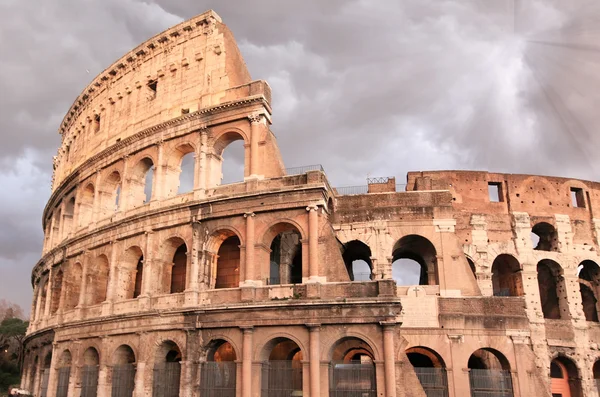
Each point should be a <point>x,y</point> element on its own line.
<point>280,285</point>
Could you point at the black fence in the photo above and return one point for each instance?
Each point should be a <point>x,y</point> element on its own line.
<point>165,382</point>
<point>62,388</point>
<point>89,381</point>
<point>218,379</point>
<point>433,380</point>
<point>281,378</point>
<point>353,379</point>
<point>303,169</point>
<point>490,383</point>
<point>123,380</point>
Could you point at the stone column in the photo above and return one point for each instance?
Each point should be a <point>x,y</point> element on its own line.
<point>140,369</point>
<point>389,364</point>
<point>247,362</point>
<point>202,177</point>
<point>53,379</point>
<point>112,280</point>
<point>103,385</point>
<point>84,279</point>
<point>313,243</point>
<point>48,294</point>
<point>185,379</point>
<point>159,173</point>
<point>191,292</point>
<point>314,359</point>
<point>255,130</point>
<point>38,309</point>
<point>61,222</point>
<point>249,264</point>
<point>97,195</point>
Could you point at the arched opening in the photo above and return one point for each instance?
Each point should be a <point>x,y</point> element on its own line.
<point>86,206</point>
<point>227,162</point>
<point>73,285</point>
<point>589,283</point>
<point>167,370</point>
<point>45,375</point>
<point>44,294</point>
<point>414,261</point>
<point>89,373</point>
<point>564,378</point>
<point>596,370</point>
<point>281,368</point>
<point>186,175</point>
<point>227,273</point>
<point>130,274</point>
<point>352,370</point>
<point>430,370</point>
<point>472,266</point>
<point>218,372</point>
<point>33,373</point>
<point>357,258</point>
<point>179,270</point>
<point>97,280</point>
<point>57,284</point>
<point>285,258</point>
<point>506,276</point>
<point>57,218</point>
<point>110,195</point>
<point>544,237</point>
<point>123,372</point>
<point>140,183</point>
<point>68,218</point>
<point>64,374</point>
<point>489,374</point>
<point>552,290</point>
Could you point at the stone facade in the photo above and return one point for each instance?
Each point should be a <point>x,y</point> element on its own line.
<point>146,288</point>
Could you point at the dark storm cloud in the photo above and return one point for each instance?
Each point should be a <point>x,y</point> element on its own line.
<point>364,87</point>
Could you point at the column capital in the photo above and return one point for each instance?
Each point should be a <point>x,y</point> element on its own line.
<point>203,129</point>
<point>313,207</point>
<point>247,329</point>
<point>249,214</point>
<point>313,327</point>
<point>255,118</point>
<point>388,325</point>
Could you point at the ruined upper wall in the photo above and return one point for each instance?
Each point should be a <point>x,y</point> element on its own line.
<point>189,67</point>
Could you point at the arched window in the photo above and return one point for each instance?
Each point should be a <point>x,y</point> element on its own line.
<point>44,285</point>
<point>68,218</point>
<point>233,163</point>
<point>86,206</point>
<point>64,374</point>
<point>139,278</point>
<point>57,218</point>
<point>352,371</point>
<point>127,274</point>
<point>179,270</point>
<point>45,375</point>
<point>430,370</point>
<point>167,370</point>
<point>228,263</point>
<point>73,284</point>
<point>180,170</point>
<point>472,266</point>
<point>282,367</point>
<point>218,372</point>
<point>506,276</point>
<point>552,290</point>
<point>57,284</point>
<point>544,237</point>
<point>186,178</point>
<point>489,374</point>
<point>233,169</point>
<point>110,195</point>
<point>123,372</point>
<point>285,258</point>
<point>357,258</point>
<point>414,261</point>
<point>589,287</point>
<point>89,373</point>
<point>596,370</point>
<point>141,183</point>
<point>97,281</point>
<point>564,378</point>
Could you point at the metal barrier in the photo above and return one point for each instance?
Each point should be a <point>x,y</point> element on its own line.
<point>490,383</point>
<point>89,381</point>
<point>165,382</point>
<point>303,169</point>
<point>353,379</point>
<point>433,380</point>
<point>349,190</point>
<point>281,378</point>
<point>62,388</point>
<point>217,379</point>
<point>44,384</point>
<point>400,187</point>
<point>123,380</point>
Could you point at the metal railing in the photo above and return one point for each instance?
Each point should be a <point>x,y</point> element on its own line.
<point>303,169</point>
<point>490,383</point>
<point>433,380</point>
<point>165,382</point>
<point>217,379</point>
<point>353,379</point>
<point>281,378</point>
<point>89,381</point>
<point>381,179</point>
<point>123,380</point>
<point>350,190</point>
<point>62,388</point>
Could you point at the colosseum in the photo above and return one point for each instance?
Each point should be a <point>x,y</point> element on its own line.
<point>155,281</point>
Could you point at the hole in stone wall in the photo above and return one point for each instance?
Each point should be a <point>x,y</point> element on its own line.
<point>577,198</point>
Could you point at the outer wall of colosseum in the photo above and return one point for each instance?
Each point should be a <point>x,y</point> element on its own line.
<point>281,285</point>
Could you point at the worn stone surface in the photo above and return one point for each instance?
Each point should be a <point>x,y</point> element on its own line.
<point>267,269</point>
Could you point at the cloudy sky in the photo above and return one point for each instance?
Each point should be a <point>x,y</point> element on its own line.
<point>366,88</point>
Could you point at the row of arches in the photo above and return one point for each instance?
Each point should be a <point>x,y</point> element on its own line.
<point>134,183</point>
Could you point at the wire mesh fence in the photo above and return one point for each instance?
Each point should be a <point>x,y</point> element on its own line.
<point>281,378</point>
<point>433,380</point>
<point>165,382</point>
<point>89,381</point>
<point>350,190</point>
<point>62,388</point>
<point>123,380</point>
<point>218,379</point>
<point>490,383</point>
<point>303,169</point>
<point>353,379</point>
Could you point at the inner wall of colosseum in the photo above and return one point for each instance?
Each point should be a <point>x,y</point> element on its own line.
<point>156,279</point>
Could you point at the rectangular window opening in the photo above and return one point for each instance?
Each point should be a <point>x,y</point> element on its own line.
<point>577,197</point>
<point>495,192</point>
<point>96,123</point>
<point>153,86</point>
